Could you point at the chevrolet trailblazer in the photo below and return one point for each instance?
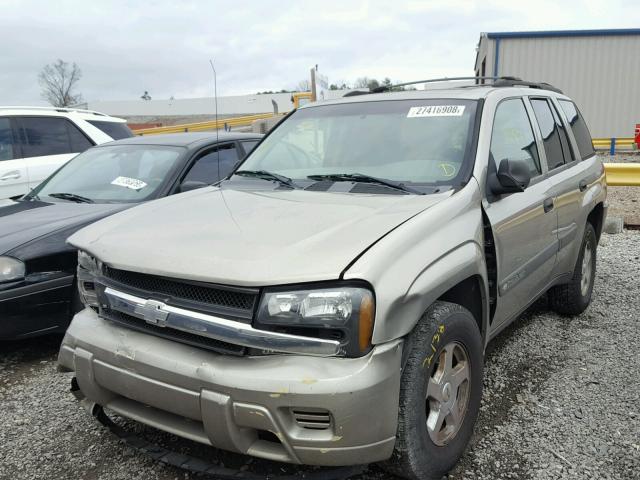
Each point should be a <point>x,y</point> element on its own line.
<point>330,302</point>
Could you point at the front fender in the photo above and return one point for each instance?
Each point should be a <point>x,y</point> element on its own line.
<point>403,313</point>
<point>422,259</point>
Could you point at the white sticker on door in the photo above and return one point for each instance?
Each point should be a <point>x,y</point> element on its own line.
<point>127,182</point>
<point>436,111</point>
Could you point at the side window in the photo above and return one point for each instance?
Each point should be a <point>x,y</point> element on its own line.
<point>207,169</point>
<point>6,140</point>
<point>549,131</point>
<point>79,143</point>
<point>512,136</point>
<point>44,136</point>
<point>579,128</point>
<point>249,145</point>
<point>115,130</point>
<point>564,138</point>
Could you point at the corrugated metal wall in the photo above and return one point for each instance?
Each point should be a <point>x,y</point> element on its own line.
<point>601,73</point>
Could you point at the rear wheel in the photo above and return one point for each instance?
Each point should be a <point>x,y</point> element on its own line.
<point>440,393</point>
<point>574,297</point>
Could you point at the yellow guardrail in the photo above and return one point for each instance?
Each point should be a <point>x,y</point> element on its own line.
<point>203,126</point>
<point>612,144</point>
<point>623,174</point>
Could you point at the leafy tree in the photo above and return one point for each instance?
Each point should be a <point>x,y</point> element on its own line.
<point>58,81</point>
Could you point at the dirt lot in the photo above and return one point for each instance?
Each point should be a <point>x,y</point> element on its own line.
<point>624,201</point>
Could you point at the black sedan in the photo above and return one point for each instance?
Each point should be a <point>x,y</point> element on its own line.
<point>37,267</point>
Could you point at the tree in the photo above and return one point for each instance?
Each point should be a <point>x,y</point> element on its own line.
<point>303,86</point>
<point>58,81</point>
<point>366,82</point>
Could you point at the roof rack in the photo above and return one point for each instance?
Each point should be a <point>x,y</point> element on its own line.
<point>516,82</point>
<point>504,81</point>
<point>52,109</point>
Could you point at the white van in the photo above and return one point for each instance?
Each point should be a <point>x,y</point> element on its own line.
<point>36,141</point>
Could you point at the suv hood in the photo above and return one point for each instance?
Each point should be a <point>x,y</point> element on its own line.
<point>249,238</point>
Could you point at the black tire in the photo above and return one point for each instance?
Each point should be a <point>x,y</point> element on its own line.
<point>569,298</point>
<point>416,455</point>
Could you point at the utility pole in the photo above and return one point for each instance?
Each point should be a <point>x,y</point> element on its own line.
<point>313,84</point>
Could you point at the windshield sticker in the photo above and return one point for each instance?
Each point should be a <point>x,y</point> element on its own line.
<point>436,111</point>
<point>448,170</point>
<point>132,183</point>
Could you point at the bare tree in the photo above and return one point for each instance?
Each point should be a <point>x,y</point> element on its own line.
<point>366,82</point>
<point>58,81</point>
<point>303,86</point>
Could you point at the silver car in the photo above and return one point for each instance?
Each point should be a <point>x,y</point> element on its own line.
<point>330,302</point>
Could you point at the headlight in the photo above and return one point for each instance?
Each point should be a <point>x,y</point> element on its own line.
<point>88,268</point>
<point>344,313</point>
<point>11,269</point>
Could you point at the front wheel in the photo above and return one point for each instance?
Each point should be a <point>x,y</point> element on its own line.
<point>440,393</point>
<point>574,297</point>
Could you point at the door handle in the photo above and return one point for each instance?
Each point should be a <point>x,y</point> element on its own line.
<point>548,205</point>
<point>11,176</point>
<point>583,185</point>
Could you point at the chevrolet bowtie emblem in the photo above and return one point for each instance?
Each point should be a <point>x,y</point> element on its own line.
<point>151,311</point>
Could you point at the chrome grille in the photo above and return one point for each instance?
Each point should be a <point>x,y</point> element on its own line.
<point>240,300</point>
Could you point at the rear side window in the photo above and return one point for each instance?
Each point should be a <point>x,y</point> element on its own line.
<point>115,130</point>
<point>44,136</point>
<point>249,145</point>
<point>579,128</point>
<point>550,133</point>
<point>6,140</point>
<point>207,169</point>
<point>512,136</point>
<point>78,141</point>
<point>564,137</point>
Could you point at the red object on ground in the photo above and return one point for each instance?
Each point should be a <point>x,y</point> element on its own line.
<point>638,135</point>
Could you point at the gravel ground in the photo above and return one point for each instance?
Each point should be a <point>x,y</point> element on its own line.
<point>624,201</point>
<point>561,399</point>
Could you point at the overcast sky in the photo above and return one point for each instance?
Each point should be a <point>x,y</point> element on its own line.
<point>127,47</point>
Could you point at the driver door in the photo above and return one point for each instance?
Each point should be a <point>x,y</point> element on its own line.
<point>524,224</point>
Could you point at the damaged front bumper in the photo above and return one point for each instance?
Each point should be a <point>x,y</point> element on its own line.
<point>289,408</point>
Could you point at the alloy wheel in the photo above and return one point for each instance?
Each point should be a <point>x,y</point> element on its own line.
<point>448,393</point>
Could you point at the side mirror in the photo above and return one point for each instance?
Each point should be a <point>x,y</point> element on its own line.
<point>191,185</point>
<point>512,176</point>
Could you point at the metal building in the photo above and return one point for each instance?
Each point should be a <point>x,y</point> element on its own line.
<point>599,69</point>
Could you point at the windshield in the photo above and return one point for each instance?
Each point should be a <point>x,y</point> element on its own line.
<point>116,173</point>
<point>421,142</point>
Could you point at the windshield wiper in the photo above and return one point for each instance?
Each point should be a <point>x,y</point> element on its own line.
<point>265,175</point>
<point>359,177</point>
<point>71,196</point>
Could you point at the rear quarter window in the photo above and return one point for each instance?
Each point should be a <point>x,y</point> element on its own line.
<point>579,128</point>
<point>6,140</point>
<point>115,130</point>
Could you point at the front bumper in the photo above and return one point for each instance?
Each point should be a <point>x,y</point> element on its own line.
<point>35,308</point>
<point>290,408</point>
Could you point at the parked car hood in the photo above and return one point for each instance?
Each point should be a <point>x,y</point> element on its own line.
<point>249,238</point>
<point>30,226</point>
